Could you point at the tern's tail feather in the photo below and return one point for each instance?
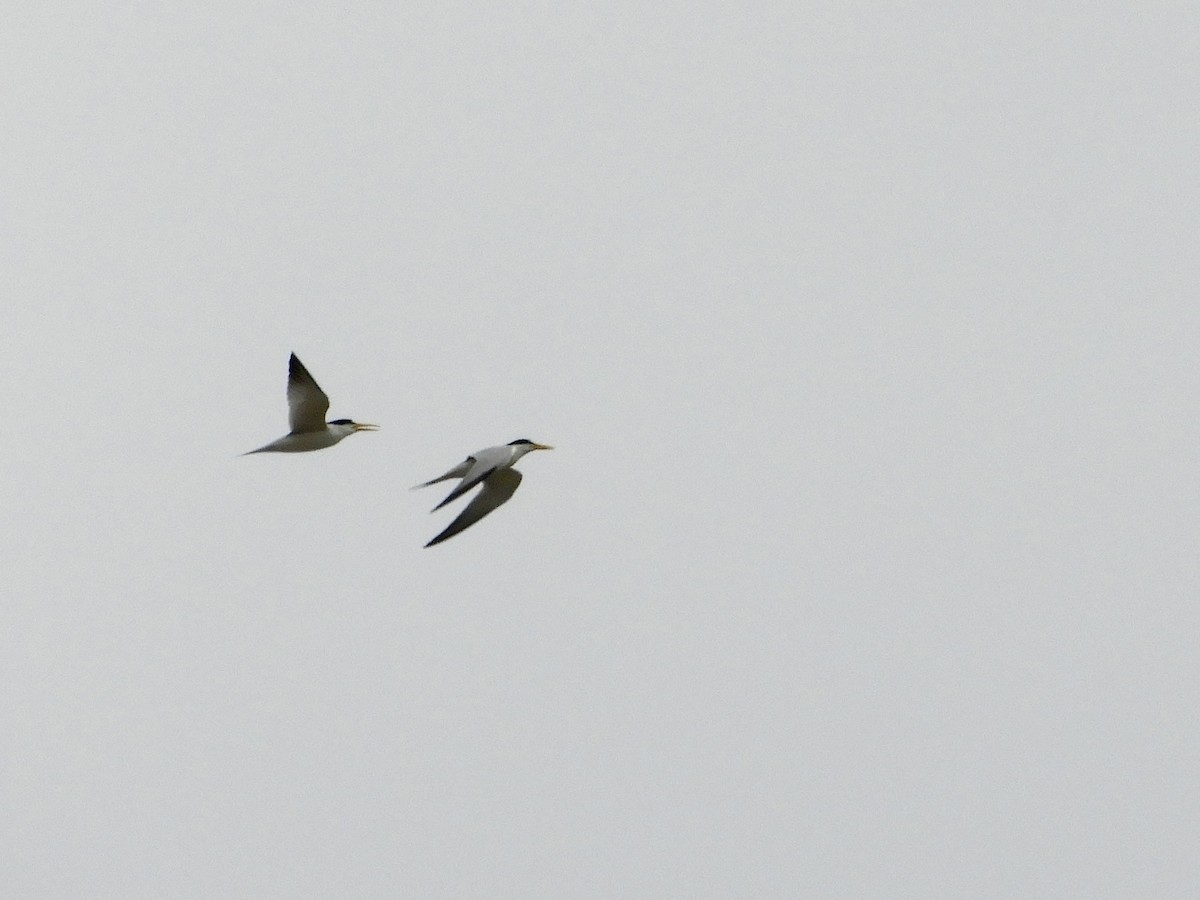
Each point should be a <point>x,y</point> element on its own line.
<point>457,472</point>
<point>417,487</point>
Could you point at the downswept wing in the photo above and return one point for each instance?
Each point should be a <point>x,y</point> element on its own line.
<point>463,486</point>
<point>307,403</point>
<point>498,487</point>
<point>483,464</point>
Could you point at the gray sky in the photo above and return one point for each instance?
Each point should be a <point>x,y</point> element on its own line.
<point>865,567</point>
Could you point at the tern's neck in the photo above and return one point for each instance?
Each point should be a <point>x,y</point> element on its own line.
<point>519,450</point>
<point>340,430</point>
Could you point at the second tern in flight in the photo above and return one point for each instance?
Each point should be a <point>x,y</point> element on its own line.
<point>493,468</point>
<point>307,405</point>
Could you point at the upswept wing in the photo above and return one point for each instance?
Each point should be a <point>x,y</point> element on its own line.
<point>307,403</point>
<point>498,487</point>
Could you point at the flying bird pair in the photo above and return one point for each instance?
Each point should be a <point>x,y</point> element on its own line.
<point>491,468</point>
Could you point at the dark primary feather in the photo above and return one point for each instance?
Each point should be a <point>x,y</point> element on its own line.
<point>297,372</point>
<point>497,490</point>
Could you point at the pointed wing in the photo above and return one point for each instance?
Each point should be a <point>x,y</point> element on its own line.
<point>497,489</point>
<point>307,403</point>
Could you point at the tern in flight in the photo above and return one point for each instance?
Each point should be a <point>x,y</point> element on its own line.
<point>493,468</point>
<point>307,405</point>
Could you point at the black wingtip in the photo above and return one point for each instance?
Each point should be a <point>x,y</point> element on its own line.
<point>446,533</point>
<point>298,372</point>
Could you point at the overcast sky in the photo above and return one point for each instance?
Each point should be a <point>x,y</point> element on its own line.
<point>866,564</point>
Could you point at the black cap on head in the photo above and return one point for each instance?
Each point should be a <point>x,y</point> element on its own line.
<point>342,422</point>
<point>519,441</point>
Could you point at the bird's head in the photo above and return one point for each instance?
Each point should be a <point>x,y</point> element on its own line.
<point>524,445</point>
<point>349,426</point>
